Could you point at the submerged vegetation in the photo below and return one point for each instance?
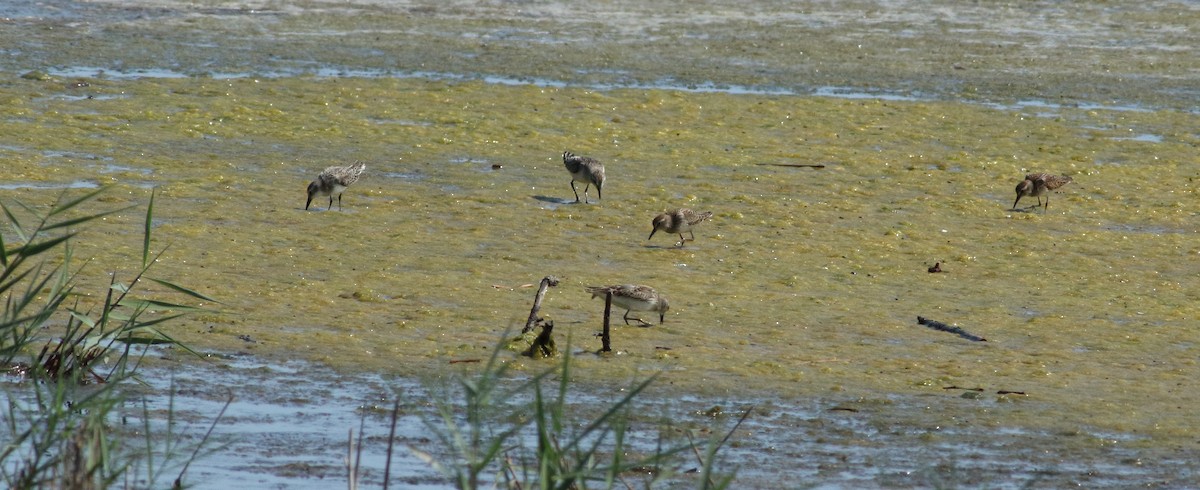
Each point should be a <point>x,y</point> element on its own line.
<point>64,401</point>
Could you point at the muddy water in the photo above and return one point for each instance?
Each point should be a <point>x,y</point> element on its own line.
<point>805,285</point>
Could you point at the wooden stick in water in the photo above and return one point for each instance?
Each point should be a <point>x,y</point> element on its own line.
<point>604,338</point>
<point>547,282</point>
<point>797,165</point>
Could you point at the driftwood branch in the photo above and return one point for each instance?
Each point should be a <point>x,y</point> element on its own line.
<point>794,165</point>
<point>936,325</point>
<point>547,282</point>
<point>542,346</point>
<point>606,346</point>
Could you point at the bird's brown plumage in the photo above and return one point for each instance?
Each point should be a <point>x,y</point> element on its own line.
<point>1040,184</point>
<point>678,221</point>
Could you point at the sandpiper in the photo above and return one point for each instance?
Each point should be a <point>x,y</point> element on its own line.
<point>584,169</point>
<point>679,221</point>
<point>334,180</point>
<point>1039,184</point>
<point>634,298</point>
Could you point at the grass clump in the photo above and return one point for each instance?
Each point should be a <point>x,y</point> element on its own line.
<point>524,434</point>
<point>61,424</point>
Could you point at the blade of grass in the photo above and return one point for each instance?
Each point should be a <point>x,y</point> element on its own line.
<point>220,415</point>
<point>184,290</point>
<point>37,248</point>
<point>16,224</point>
<point>60,207</point>
<point>81,219</point>
<point>146,234</point>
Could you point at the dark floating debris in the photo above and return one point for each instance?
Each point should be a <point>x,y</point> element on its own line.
<point>936,325</point>
<point>794,165</point>
<point>980,390</point>
<point>936,268</point>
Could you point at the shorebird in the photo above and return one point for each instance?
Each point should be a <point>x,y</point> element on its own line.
<point>1039,184</point>
<point>334,180</point>
<point>679,221</point>
<point>634,298</point>
<point>584,169</point>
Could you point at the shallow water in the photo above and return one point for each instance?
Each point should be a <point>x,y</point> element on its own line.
<point>804,288</point>
<point>281,431</point>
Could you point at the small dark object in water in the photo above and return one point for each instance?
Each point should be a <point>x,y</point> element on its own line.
<point>936,268</point>
<point>961,388</point>
<point>795,165</point>
<point>497,166</point>
<point>543,346</point>
<point>1007,392</point>
<point>936,325</point>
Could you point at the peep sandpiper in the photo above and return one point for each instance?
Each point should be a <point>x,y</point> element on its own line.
<point>679,221</point>
<point>334,180</point>
<point>584,169</point>
<point>634,298</point>
<point>1038,185</point>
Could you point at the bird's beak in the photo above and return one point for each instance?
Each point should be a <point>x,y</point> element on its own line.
<point>652,232</point>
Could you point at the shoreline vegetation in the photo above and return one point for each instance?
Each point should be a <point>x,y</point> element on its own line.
<point>67,358</point>
<point>65,401</point>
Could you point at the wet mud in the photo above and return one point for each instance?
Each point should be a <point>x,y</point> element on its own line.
<point>843,152</point>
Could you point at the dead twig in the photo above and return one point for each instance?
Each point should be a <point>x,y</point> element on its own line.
<point>936,325</point>
<point>547,282</point>
<point>606,346</point>
<point>794,165</point>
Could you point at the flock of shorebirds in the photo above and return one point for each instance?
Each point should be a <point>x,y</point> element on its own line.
<point>334,181</point>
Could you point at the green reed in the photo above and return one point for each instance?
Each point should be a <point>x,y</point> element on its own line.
<point>64,420</point>
<point>510,433</point>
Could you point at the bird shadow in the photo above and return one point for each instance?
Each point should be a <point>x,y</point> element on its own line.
<point>555,200</point>
<point>663,247</point>
<point>1027,209</point>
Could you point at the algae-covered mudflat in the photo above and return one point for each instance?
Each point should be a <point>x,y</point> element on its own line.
<point>911,128</point>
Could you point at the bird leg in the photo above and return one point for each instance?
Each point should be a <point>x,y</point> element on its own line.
<point>643,323</point>
<point>575,191</point>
